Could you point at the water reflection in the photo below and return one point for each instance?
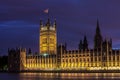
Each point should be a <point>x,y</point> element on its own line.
<point>68,76</point>
<point>59,76</point>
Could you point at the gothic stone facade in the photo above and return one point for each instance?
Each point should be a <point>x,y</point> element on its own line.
<point>53,57</point>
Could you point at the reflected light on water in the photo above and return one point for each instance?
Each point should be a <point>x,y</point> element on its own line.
<point>59,76</point>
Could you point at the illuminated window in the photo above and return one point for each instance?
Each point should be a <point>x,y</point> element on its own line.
<point>76,60</point>
<point>88,60</point>
<point>51,40</point>
<point>109,64</point>
<point>76,55</point>
<point>44,48</point>
<point>51,48</point>
<point>70,60</point>
<point>73,60</point>
<point>80,59</point>
<point>52,28</point>
<point>91,58</point>
<point>66,60</point>
<point>84,59</point>
<point>44,28</point>
<point>117,58</point>
<point>44,40</point>
<point>99,59</point>
<point>95,58</point>
<point>113,58</point>
<point>113,64</point>
<point>117,64</point>
<point>110,58</point>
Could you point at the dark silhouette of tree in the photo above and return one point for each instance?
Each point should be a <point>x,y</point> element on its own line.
<point>3,63</point>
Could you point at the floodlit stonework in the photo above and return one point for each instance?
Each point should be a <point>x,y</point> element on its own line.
<point>56,57</point>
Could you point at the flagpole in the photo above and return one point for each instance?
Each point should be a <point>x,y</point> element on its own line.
<point>47,12</point>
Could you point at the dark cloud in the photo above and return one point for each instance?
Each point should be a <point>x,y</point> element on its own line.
<point>19,21</point>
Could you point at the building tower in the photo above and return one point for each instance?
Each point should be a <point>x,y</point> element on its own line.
<point>80,46</point>
<point>97,37</point>
<point>47,38</point>
<point>85,43</point>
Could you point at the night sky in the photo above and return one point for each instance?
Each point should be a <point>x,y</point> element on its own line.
<point>19,21</point>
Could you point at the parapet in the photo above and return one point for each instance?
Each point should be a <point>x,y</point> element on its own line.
<point>16,50</point>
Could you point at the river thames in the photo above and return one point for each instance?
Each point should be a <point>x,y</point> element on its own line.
<point>59,76</point>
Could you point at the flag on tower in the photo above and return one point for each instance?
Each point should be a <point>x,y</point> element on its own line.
<point>46,11</point>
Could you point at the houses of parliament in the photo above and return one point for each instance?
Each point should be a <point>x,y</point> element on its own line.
<point>52,56</point>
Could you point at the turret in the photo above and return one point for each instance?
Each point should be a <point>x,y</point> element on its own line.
<point>48,23</point>
<point>41,24</point>
<point>97,37</point>
<point>17,59</point>
<point>80,45</point>
<point>85,43</point>
<point>29,51</point>
<point>54,24</point>
<point>107,45</point>
<point>111,42</point>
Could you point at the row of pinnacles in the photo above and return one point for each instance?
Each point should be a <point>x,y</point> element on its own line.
<point>56,57</point>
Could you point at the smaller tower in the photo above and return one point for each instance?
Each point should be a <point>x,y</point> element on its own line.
<point>60,50</point>
<point>97,37</point>
<point>104,45</point>
<point>29,51</point>
<point>110,43</point>
<point>80,45</point>
<point>107,45</point>
<point>48,23</point>
<point>54,24</point>
<point>41,24</point>
<point>22,58</point>
<point>85,43</point>
<point>16,59</point>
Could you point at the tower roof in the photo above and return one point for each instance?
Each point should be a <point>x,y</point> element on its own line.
<point>97,27</point>
<point>48,22</point>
